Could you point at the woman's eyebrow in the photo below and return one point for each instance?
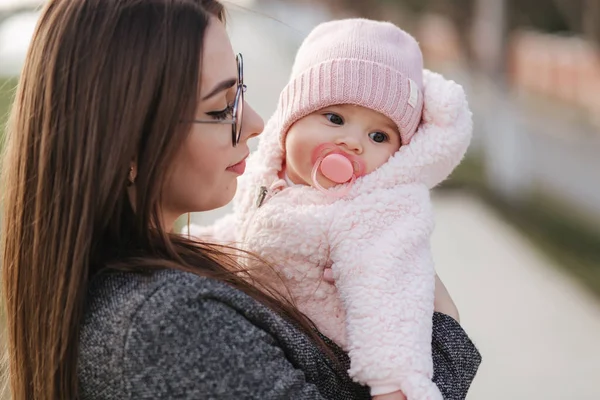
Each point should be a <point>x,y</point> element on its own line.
<point>220,87</point>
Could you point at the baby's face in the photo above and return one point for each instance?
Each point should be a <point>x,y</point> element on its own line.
<point>356,130</point>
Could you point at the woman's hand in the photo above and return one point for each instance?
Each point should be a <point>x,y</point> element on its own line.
<point>443,303</point>
<point>390,396</point>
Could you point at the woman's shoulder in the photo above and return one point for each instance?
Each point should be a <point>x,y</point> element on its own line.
<point>117,300</point>
<point>175,334</point>
<point>135,324</point>
<point>132,287</point>
<point>130,295</point>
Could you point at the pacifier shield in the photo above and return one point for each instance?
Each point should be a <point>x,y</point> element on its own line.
<point>337,168</point>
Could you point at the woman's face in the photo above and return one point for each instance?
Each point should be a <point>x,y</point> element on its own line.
<point>202,177</point>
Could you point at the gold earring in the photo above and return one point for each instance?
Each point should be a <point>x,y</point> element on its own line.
<point>131,177</point>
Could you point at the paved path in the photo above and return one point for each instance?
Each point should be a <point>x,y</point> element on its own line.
<point>538,331</point>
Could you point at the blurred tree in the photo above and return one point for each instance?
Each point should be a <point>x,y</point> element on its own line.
<point>552,16</point>
<point>577,16</point>
<point>459,11</point>
<point>543,15</point>
<point>591,20</point>
<point>580,17</point>
<point>572,13</point>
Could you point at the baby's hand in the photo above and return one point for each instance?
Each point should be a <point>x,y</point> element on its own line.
<point>390,396</point>
<point>328,275</point>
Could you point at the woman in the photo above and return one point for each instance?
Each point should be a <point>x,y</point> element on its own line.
<point>129,114</point>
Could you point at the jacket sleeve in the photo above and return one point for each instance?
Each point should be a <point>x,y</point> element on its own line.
<point>443,136</point>
<point>188,347</point>
<point>385,276</point>
<point>455,357</point>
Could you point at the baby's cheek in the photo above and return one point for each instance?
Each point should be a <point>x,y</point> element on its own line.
<point>302,160</point>
<point>375,161</point>
<point>296,164</point>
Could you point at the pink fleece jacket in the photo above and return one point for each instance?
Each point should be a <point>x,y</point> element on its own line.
<point>376,239</point>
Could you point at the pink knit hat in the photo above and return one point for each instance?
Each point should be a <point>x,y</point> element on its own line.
<point>356,61</point>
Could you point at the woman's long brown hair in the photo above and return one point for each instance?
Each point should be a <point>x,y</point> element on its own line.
<point>105,82</point>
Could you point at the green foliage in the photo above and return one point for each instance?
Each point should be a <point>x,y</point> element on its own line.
<point>7,88</point>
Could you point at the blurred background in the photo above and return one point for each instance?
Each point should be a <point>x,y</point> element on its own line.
<point>518,224</point>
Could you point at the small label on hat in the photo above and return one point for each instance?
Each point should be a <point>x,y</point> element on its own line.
<point>414,93</point>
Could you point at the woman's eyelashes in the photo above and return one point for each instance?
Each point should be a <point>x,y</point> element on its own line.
<point>222,114</point>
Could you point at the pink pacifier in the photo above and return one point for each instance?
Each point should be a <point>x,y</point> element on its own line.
<point>337,166</point>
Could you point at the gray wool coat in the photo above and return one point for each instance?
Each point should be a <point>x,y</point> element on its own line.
<point>174,335</point>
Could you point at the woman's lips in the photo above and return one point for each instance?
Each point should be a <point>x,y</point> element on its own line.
<point>238,168</point>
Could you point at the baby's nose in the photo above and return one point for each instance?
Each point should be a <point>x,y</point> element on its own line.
<point>349,143</point>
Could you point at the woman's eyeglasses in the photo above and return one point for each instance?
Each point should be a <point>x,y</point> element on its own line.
<point>238,107</point>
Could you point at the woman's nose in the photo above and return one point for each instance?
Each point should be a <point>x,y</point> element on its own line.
<point>350,142</point>
<point>252,123</point>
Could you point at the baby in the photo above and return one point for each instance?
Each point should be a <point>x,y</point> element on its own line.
<point>341,179</point>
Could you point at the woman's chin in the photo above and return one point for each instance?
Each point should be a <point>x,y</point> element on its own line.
<point>220,199</point>
<point>226,195</point>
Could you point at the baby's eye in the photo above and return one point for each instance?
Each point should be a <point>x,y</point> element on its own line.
<point>334,118</point>
<point>379,137</point>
